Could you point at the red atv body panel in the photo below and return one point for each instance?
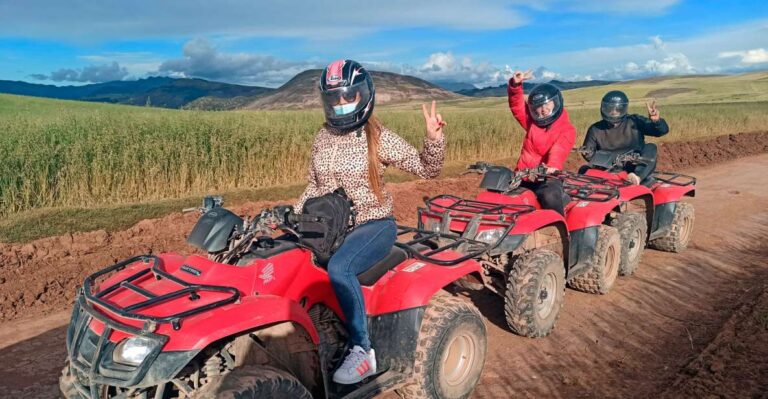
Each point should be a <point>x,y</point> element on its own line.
<point>662,192</point>
<point>271,291</point>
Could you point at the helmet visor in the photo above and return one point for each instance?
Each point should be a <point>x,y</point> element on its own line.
<point>345,101</point>
<point>544,109</point>
<point>613,111</point>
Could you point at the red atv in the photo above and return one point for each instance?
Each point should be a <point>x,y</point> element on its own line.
<point>658,198</point>
<point>258,319</point>
<point>534,252</point>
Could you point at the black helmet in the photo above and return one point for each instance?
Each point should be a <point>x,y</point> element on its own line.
<point>347,94</point>
<point>547,99</point>
<point>614,106</point>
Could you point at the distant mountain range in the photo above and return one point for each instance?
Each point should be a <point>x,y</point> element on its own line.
<point>155,91</point>
<point>501,90</point>
<point>299,92</point>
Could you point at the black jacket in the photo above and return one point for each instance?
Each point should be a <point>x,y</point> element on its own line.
<point>627,135</point>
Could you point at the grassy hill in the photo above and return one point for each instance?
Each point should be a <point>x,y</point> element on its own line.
<point>301,91</point>
<point>68,155</point>
<point>162,92</point>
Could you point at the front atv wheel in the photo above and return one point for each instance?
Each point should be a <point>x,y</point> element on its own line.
<point>604,269</point>
<point>255,382</point>
<point>679,234</point>
<point>450,354</point>
<point>633,229</point>
<point>535,293</point>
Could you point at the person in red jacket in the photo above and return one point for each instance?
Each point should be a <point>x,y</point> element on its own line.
<point>549,136</point>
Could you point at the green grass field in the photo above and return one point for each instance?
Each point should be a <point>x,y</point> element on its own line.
<point>60,156</point>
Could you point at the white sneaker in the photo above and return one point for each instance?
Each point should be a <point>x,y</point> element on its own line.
<point>633,178</point>
<point>356,366</point>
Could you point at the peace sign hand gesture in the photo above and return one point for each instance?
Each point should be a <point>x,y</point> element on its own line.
<point>653,113</point>
<point>519,77</point>
<point>434,122</point>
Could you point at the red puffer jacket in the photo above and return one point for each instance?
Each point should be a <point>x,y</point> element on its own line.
<point>550,145</point>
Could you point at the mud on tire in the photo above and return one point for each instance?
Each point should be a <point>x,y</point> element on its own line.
<point>633,229</point>
<point>604,269</point>
<point>679,234</point>
<point>450,354</point>
<point>255,382</point>
<point>535,293</point>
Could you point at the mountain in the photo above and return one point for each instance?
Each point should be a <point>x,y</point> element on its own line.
<point>155,91</point>
<point>454,86</point>
<point>501,90</point>
<point>302,92</point>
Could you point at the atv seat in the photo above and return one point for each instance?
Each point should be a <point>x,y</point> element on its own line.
<point>395,257</point>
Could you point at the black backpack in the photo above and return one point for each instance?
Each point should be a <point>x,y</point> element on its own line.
<point>325,236</point>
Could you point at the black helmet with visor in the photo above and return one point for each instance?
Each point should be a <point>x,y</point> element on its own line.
<point>347,94</point>
<point>614,106</point>
<point>545,104</point>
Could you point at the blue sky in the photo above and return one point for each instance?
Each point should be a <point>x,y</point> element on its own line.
<point>474,41</point>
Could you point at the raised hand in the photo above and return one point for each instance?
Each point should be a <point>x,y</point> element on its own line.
<point>653,113</point>
<point>434,122</point>
<point>518,77</point>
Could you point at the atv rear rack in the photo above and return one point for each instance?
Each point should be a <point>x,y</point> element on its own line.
<point>675,179</point>
<point>193,290</point>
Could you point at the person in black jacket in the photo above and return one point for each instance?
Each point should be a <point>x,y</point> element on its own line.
<point>620,132</point>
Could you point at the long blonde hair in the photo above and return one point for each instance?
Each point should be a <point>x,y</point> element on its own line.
<point>373,136</point>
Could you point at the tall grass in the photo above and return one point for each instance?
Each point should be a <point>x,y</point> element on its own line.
<point>56,153</point>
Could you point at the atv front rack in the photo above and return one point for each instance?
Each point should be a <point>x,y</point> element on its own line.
<point>450,208</point>
<point>675,179</point>
<point>192,290</point>
<point>589,188</point>
<point>469,248</point>
<point>478,207</point>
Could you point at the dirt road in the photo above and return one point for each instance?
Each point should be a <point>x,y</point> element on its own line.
<point>663,331</point>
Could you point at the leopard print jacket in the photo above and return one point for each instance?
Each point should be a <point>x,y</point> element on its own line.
<point>341,160</point>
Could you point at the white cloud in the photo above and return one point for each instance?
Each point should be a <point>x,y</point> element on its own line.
<point>88,74</point>
<point>202,60</point>
<point>756,56</point>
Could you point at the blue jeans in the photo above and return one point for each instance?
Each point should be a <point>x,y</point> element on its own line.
<point>363,247</point>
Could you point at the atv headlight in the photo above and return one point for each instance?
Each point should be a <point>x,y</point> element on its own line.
<point>490,236</point>
<point>133,351</point>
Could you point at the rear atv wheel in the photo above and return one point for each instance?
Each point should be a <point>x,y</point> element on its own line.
<point>535,293</point>
<point>604,269</point>
<point>633,229</point>
<point>679,234</point>
<point>450,354</point>
<point>255,382</point>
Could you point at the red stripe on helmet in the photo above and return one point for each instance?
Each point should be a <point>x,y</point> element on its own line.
<point>334,74</point>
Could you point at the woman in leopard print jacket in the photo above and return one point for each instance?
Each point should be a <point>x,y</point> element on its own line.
<point>351,151</point>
